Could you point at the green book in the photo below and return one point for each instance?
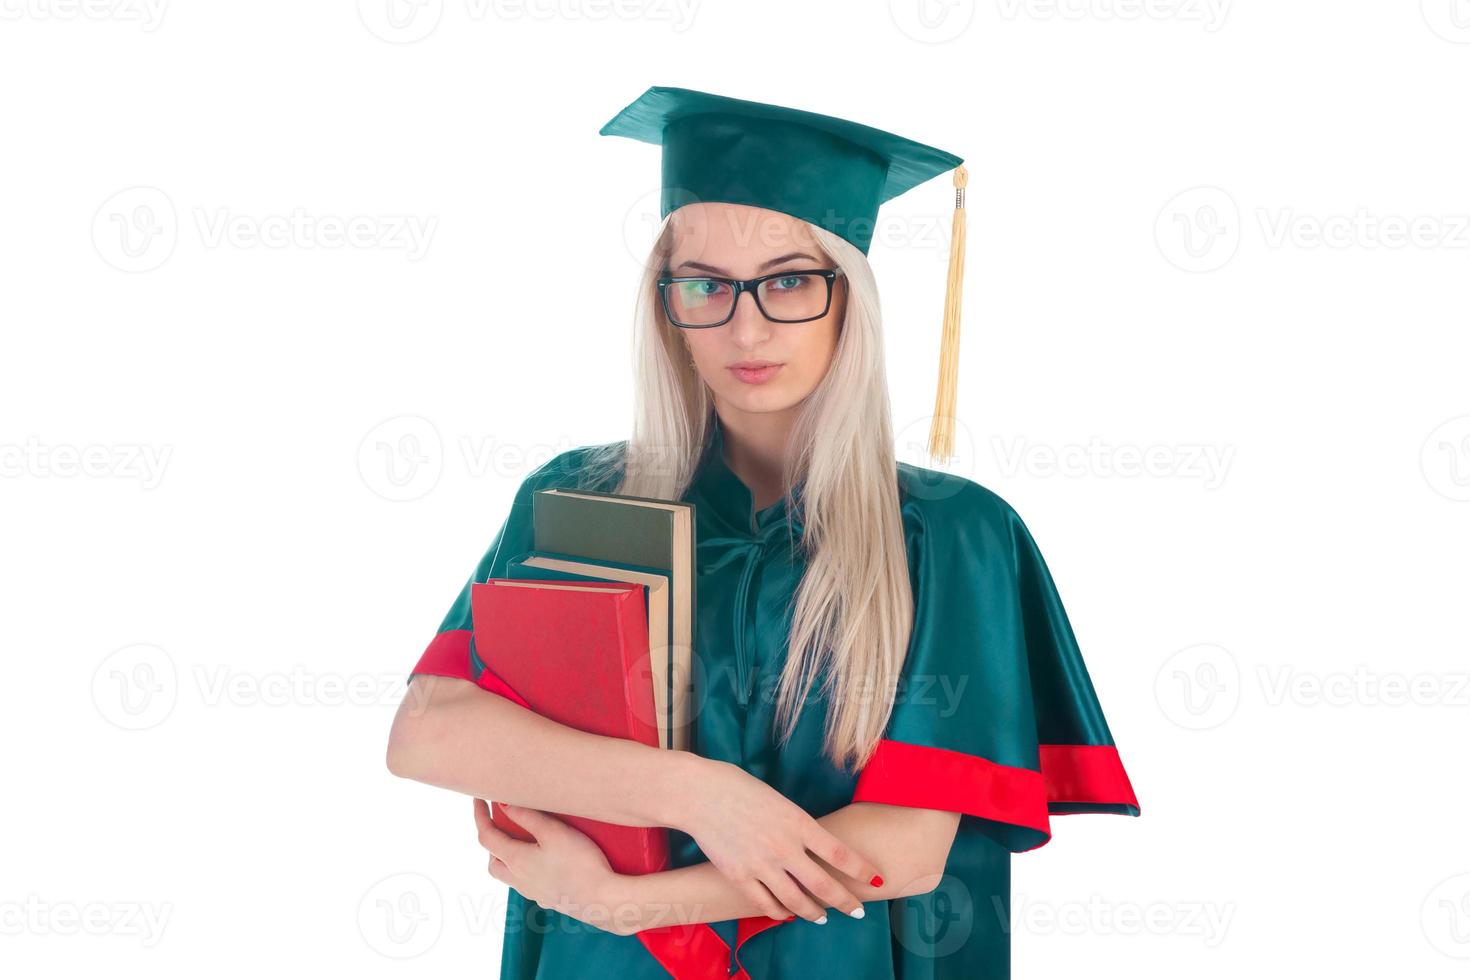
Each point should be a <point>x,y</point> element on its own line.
<point>621,535</point>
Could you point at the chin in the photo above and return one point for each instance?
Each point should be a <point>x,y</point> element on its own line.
<point>759,399</point>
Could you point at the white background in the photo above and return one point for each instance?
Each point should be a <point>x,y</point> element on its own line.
<point>247,466</point>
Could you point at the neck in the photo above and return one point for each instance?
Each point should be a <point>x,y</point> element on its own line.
<point>756,444</point>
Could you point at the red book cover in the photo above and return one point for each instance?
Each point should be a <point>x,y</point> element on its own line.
<point>577,653</point>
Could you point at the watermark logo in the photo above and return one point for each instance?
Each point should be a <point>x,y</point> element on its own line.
<point>936,480</point>
<point>1199,687</point>
<point>402,458</point>
<point>136,687</point>
<point>1450,19</point>
<point>136,229</point>
<point>400,21</point>
<point>1445,917</point>
<point>401,916</point>
<point>932,21</point>
<point>1199,229</point>
<point>936,923</point>
<point>1445,459</point>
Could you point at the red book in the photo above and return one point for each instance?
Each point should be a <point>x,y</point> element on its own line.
<point>577,653</point>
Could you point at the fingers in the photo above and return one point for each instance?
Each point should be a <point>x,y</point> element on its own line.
<point>831,849</point>
<point>815,879</point>
<point>492,838</point>
<point>765,901</point>
<point>537,822</point>
<point>788,891</point>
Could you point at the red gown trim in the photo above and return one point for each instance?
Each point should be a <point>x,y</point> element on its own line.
<point>905,774</point>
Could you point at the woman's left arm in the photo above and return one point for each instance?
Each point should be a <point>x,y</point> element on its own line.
<point>565,871</point>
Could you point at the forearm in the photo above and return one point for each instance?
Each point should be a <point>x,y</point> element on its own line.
<point>451,734</point>
<point>909,844</point>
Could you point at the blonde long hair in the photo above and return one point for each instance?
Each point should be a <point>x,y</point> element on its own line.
<point>853,610</point>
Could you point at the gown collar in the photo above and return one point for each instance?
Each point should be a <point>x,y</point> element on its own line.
<point>728,495</point>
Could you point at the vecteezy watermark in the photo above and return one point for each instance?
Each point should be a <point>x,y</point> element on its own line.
<point>222,685</point>
<point>34,916</point>
<point>1445,917</point>
<point>1450,19</point>
<point>137,230</point>
<point>300,229</point>
<point>1202,686</point>
<point>119,461</point>
<point>1209,14</point>
<point>147,14</point>
<point>1207,921</point>
<point>1361,687</point>
<point>1203,462</point>
<point>1285,226</point>
<point>402,458</point>
<point>1198,230</point>
<point>403,915</point>
<point>407,21</point>
<point>1445,459</point>
<point>138,687</point>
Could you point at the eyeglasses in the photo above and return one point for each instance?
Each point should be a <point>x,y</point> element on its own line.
<point>696,302</point>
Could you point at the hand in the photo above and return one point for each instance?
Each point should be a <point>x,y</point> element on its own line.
<point>562,869</point>
<point>759,839</point>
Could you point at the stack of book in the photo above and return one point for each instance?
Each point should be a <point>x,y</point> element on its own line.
<point>594,628</point>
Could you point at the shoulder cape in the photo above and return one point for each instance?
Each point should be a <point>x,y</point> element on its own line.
<point>995,715</point>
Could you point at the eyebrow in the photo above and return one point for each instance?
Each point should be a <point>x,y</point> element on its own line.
<point>717,271</point>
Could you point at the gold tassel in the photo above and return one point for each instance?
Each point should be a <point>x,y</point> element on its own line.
<point>942,424</point>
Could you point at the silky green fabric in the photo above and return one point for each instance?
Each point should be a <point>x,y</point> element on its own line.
<point>988,626</point>
<point>824,169</point>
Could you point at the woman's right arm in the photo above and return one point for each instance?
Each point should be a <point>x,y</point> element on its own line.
<point>450,733</point>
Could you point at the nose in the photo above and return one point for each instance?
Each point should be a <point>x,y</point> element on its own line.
<point>747,324</point>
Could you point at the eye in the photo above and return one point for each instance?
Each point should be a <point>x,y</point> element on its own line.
<point>786,284</point>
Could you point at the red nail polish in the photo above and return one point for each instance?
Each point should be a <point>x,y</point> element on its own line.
<point>877,881</point>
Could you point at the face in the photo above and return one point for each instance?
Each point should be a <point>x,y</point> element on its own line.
<point>741,242</point>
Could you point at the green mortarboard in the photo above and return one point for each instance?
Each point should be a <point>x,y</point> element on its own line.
<point>831,172</point>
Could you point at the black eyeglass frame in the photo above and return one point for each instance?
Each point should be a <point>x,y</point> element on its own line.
<point>751,286</point>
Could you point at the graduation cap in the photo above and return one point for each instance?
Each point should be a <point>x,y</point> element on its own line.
<point>829,171</point>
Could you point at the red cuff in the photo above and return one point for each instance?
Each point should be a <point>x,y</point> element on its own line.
<point>905,774</point>
<point>448,655</point>
<point>1085,774</point>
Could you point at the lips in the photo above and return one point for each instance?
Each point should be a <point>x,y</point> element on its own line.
<point>754,372</point>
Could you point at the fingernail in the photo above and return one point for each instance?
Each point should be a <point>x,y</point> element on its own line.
<point>877,881</point>
<point>858,912</point>
<point>823,920</point>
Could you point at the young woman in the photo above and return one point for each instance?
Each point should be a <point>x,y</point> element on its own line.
<point>890,700</point>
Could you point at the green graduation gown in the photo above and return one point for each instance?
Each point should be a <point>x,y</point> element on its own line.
<point>994,717</point>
